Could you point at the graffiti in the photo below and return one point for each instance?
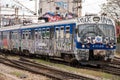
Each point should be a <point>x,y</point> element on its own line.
<point>5,43</point>
<point>62,4</point>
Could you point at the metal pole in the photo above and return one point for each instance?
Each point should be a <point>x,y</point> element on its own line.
<point>68,6</point>
<point>40,7</point>
<point>79,8</point>
<point>0,14</point>
<point>36,8</point>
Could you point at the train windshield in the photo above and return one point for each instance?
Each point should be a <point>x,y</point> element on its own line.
<point>99,32</point>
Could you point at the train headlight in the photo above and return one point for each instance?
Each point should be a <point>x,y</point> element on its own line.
<point>111,46</point>
<point>83,46</point>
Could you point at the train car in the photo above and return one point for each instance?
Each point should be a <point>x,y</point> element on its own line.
<point>83,39</point>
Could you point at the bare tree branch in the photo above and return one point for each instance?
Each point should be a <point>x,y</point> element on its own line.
<point>111,8</point>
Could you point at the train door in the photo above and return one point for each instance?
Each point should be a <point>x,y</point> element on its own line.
<point>26,40</point>
<point>15,41</point>
<point>1,40</point>
<point>23,40</point>
<point>47,40</point>
<point>67,39</point>
<point>62,36</point>
<point>10,40</point>
<point>52,42</point>
<point>60,40</point>
<point>39,43</point>
<point>43,44</point>
<point>36,39</point>
<point>57,37</point>
<point>57,40</point>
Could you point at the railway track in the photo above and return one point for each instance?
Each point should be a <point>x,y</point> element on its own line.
<point>108,68</point>
<point>55,74</point>
<point>116,61</point>
<point>112,68</point>
<point>117,57</point>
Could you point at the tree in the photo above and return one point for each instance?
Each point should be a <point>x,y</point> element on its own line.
<point>112,9</point>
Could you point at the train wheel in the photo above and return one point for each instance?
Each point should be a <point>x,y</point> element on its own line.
<point>74,63</point>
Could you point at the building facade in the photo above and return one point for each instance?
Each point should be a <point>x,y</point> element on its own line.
<point>60,6</point>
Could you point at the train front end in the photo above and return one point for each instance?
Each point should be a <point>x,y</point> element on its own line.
<point>96,39</point>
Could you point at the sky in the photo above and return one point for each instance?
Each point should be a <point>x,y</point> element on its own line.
<point>92,6</point>
<point>88,6</point>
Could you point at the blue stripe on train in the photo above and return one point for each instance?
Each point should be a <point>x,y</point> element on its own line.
<point>93,46</point>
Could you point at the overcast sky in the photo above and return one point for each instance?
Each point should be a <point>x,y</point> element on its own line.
<point>92,6</point>
<point>88,6</point>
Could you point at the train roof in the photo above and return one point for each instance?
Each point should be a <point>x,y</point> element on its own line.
<point>76,21</point>
<point>34,25</point>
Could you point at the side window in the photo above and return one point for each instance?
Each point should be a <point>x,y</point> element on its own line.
<point>36,34</point>
<point>47,33</point>
<point>32,34</point>
<point>16,35</point>
<point>26,34</point>
<point>67,31</point>
<point>29,34</point>
<point>23,34</point>
<point>4,36</point>
<point>11,35</point>
<point>57,32</point>
<point>40,34</point>
<point>62,32</point>
<point>43,33</point>
<point>51,33</point>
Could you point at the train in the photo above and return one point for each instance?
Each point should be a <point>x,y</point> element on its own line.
<point>82,39</point>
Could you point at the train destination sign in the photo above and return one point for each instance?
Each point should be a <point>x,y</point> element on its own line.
<point>91,19</point>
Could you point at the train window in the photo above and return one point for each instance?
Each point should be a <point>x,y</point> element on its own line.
<point>43,33</point>
<point>16,35</point>
<point>29,34</point>
<point>67,32</point>
<point>11,35</point>
<point>57,28</point>
<point>62,28</point>
<point>57,33</point>
<point>23,36</point>
<point>62,32</point>
<point>40,35</point>
<point>51,33</point>
<point>36,34</point>
<point>32,34</point>
<point>47,33</point>
<point>67,28</point>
